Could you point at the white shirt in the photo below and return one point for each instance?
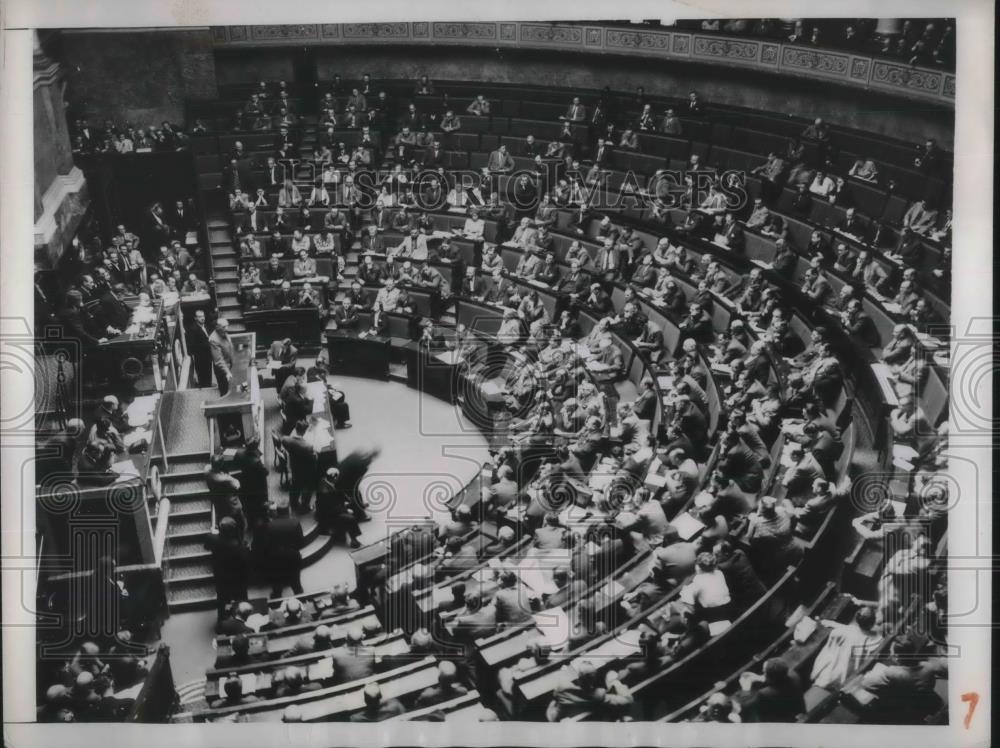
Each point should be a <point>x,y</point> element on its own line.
<point>708,589</point>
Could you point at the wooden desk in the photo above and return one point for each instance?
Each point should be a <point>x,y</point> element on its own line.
<point>351,355</point>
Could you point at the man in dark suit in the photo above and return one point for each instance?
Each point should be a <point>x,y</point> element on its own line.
<point>472,285</point>
<point>333,514</point>
<point>476,621</point>
<point>353,661</point>
<point>230,564</point>
<point>280,540</point>
<point>302,464</point>
<point>77,322</point>
<point>236,622</point>
<point>376,708</point>
<point>644,406</point>
<point>201,349</point>
<point>59,452</point>
<point>505,540</point>
<point>570,589</point>
<point>433,156</point>
<point>222,354</point>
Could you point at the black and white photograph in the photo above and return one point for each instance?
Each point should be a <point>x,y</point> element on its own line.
<point>437,366</point>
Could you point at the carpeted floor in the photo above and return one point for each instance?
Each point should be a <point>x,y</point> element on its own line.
<point>429,451</point>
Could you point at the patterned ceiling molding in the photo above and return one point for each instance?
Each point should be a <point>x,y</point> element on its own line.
<point>856,71</point>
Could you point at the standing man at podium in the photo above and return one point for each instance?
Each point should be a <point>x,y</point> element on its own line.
<point>222,354</point>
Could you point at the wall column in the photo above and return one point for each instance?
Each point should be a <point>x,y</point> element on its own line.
<point>60,189</point>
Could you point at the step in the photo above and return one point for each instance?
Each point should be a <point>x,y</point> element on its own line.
<point>217,223</point>
<point>315,549</point>
<point>220,234</point>
<point>237,325</point>
<point>187,505</point>
<point>188,568</point>
<point>184,484</point>
<point>223,263</point>
<point>185,463</point>
<point>189,525</point>
<point>227,287</point>
<point>191,594</point>
<point>226,274</point>
<point>184,546</point>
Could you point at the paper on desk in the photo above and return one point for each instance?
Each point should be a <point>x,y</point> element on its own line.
<point>904,452</point>
<point>665,382</point>
<point>125,468</point>
<point>717,627</point>
<point>321,436</point>
<point>892,307</point>
<point>553,627</point>
<point>140,411</point>
<point>249,683</point>
<point>655,479</point>
<point>687,526</point>
<point>321,670</point>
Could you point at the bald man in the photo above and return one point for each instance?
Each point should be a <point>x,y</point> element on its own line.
<point>506,538</point>
<point>447,687</point>
<point>353,661</point>
<point>376,708</point>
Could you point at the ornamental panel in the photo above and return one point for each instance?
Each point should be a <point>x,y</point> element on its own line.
<point>820,62</point>
<point>550,33</point>
<point>706,46</point>
<point>301,31</point>
<point>642,40</point>
<point>465,30</point>
<point>375,30</point>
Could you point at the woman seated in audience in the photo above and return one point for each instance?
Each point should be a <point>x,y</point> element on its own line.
<point>864,169</point>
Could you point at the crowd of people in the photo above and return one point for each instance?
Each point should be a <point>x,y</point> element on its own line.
<point>705,419</point>
<point>918,41</point>
<point>112,138</point>
<point>562,395</point>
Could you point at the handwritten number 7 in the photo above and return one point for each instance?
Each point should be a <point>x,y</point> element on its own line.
<point>973,698</point>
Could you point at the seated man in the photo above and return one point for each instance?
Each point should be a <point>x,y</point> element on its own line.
<point>304,266</point>
<point>233,690</point>
<point>353,660</point>
<point>376,708</point>
<point>447,687</point>
<point>581,692</point>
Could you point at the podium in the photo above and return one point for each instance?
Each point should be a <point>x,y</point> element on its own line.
<point>240,408</point>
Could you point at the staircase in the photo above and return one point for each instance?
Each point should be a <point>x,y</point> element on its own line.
<point>187,565</point>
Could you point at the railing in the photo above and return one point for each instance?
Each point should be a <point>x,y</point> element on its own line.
<point>782,58</point>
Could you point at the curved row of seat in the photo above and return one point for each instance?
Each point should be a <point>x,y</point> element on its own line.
<point>861,385</point>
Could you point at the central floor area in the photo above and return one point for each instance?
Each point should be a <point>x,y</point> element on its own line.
<point>429,451</point>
